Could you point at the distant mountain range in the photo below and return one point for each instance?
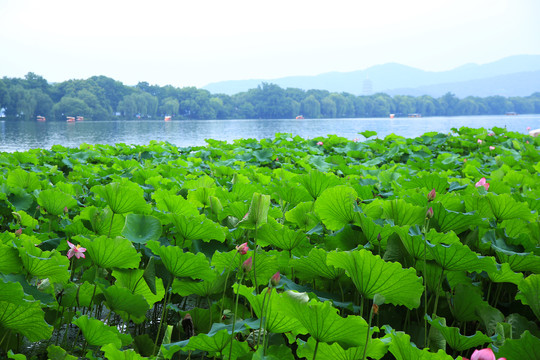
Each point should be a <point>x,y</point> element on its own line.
<point>512,76</point>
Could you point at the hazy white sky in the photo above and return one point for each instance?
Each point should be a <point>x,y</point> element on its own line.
<point>196,42</point>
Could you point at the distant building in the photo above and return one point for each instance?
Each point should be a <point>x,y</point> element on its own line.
<point>367,87</point>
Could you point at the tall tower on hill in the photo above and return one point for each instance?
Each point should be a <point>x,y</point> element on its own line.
<point>367,87</point>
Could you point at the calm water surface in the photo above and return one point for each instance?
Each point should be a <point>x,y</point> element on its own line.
<point>29,135</point>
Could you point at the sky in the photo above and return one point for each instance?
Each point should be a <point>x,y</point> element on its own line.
<point>197,42</point>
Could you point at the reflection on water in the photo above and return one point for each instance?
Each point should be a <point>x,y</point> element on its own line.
<point>19,136</point>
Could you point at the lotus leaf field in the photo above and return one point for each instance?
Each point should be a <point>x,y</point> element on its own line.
<point>281,248</point>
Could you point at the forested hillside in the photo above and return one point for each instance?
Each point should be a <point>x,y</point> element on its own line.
<point>103,98</point>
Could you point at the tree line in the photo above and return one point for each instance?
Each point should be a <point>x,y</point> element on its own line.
<point>103,98</point>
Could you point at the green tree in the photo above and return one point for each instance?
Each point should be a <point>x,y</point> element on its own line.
<point>310,107</point>
<point>328,107</point>
<point>70,106</point>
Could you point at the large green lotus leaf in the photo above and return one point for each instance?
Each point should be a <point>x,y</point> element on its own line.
<point>453,337</point>
<point>182,264</point>
<point>275,321</point>
<point>280,236</point>
<point>415,244</point>
<point>314,265</point>
<point>197,227</point>
<point>316,182</point>
<point>403,213</point>
<point>402,348</point>
<point>292,193</point>
<point>372,275</point>
<point>111,253</point>
<point>186,287</point>
<point>464,301</point>
<point>112,353</point>
<point>266,263</point>
<point>376,350</point>
<point>26,318</point>
<point>504,273</point>
<point>132,280</point>
<point>526,347</point>
<point>97,333</point>
<point>125,303</point>
<point>302,216</point>
<point>18,178</point>
<point>529,293</point>
<point>501,207</point>
<point>170,202</point>
<point>200,196</point>
<point>519,261</point>
<point>54,201</point>
<point>457,257</point>
<point>10,262</point>
<point>11,291</point>
<point>257,213</point>
<point>322,321</point>
<point>445,220</point>
<point>242,191</point>
<point>141,228</point>
<point>103,221</point>
<point>489,317</point>
<point>57,353</point>
<point>27,220</point>
<point>372,231</point>
<point>20,199</point>
<point>335,206</point>
<point>123,197</point>
<point>43,264</point>
<point>215,342</point>
<point>428,182</point>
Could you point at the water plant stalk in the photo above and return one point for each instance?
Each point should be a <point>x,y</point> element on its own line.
<point>368,331</point>
<point>234,316</point>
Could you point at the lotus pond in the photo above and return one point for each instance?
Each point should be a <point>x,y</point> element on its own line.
<point>283,248</point>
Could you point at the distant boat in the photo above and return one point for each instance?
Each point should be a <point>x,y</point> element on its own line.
<point>70,119</point>
<point>41,118</point>
<point>300,117</point>
<point>80,118</point>
<point>392,116</point>
<point>167,118</point>
<point>415,115</point>
<point>510,113</point>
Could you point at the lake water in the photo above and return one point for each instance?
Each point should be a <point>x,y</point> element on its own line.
<point>22,136</point>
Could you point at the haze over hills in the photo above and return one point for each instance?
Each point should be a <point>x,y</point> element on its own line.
<point>512,76</point>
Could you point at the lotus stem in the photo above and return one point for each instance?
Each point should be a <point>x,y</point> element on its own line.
<point>226,281</point>
<point>261,322</point>
<point>265,340</point>
<point>254,267</point>
<point>110,227</point>
<point>316,347</point>
<point>437,294</point>
<point>234,317</point>
<point>368,332</point>
<point>163,312</point>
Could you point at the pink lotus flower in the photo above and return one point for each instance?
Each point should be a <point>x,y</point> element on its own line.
<point>243,248</point>
<point>464,160</point>
<point>274,280</point>
<point>484,354</point>
<point>78,251</point>
<point>431,195</point>
<point>528,128</point>
<point>483,183</point>
<point>429,213</point>
<point>18,232</point>
<point>492,148</point>
<point>491,134</point>
<point>246,266</point>
<point>479,141</point>
<point>320,143</point>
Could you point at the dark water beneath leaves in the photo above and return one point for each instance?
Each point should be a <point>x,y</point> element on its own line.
<point>20,136</point>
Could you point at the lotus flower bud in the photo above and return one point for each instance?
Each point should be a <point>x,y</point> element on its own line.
<point>431,195</point>
<point>243,248</point>
<point>375,309</point>
<point>246,266</point>
<point>320,143</point>
<point>429,213</point>
<point>18,232</point>
<point>484,354</point>
<point>479,141</point>
<point>274,280</point>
